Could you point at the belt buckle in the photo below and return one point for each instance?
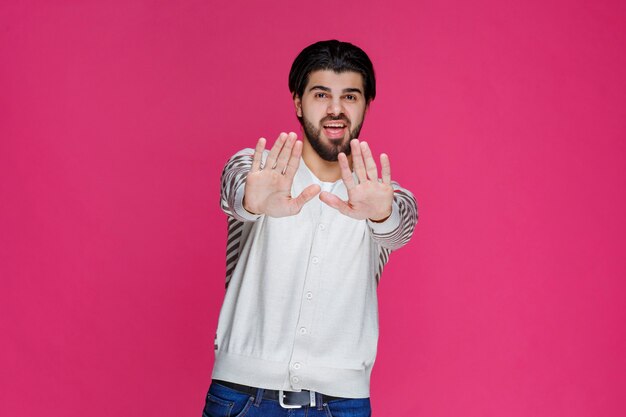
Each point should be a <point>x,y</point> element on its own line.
<point>281,400</point>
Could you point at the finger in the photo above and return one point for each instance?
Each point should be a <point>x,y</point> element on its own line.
<point>258,155</point>
<point>278,145</point>
<point>285,153</point>
<point>305,196</point>
<point>357,161</point>
<point>335,202</point>
<point>370,164</point>
<point>385,168</point>
<point>294,160</point>
<point>346,174</point>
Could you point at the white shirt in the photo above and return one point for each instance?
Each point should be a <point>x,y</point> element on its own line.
<point>301,309</point>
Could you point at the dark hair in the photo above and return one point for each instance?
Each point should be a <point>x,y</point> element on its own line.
<point>332,55</point>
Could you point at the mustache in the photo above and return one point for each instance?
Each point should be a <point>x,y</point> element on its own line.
<point>336,119</point>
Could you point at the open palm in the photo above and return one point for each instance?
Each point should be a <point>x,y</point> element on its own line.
<point>370,197</point>
<point>268,186</point>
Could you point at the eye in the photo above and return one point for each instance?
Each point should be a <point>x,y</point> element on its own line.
<point>320,95</point>
<point>351,97</point>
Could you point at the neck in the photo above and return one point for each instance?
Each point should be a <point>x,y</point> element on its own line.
<point>324,170</point>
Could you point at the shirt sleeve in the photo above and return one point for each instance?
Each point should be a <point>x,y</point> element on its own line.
<point>233,186</point>
<point>397,230</point>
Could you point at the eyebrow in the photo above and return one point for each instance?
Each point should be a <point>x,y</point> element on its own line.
<point>344,91</point>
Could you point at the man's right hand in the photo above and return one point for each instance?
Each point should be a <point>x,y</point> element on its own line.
<point>268,188</point>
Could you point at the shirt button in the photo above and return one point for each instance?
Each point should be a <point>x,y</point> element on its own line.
<point>309,295</point>
<point>295,379</point>
<point>322,227</point>
<point>315,259</point>
<point>302,330</point>
<point>296,365</point>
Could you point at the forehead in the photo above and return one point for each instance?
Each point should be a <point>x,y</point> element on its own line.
<point>335,80</point>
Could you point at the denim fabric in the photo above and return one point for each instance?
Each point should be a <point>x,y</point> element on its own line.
<point>223,401</point>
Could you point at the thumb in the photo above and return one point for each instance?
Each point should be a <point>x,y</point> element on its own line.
<point>335,202</point>
<point>305,196</point>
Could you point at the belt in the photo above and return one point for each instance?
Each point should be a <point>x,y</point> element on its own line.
<point>287,399</point>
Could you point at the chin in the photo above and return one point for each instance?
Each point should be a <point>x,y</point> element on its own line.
<point>337,141</point>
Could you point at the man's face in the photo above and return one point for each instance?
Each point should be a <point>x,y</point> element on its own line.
<point>331,111</point>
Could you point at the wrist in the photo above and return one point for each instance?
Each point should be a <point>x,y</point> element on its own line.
<point>248,209</point>
<point>381,220</point>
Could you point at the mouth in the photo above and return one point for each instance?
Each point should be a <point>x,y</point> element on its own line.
<point>335,129</point>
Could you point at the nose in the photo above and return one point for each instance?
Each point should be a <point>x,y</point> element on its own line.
<point>334,107</point>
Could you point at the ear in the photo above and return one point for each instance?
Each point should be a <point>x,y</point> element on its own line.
<point>298,105</point>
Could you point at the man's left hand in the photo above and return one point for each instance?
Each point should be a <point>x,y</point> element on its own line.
<point>371,197</point>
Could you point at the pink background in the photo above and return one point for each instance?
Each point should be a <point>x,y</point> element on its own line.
<point>507,119</point>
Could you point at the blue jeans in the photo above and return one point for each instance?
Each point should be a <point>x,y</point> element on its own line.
<point>223,401</point>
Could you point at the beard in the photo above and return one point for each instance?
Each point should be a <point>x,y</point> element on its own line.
<point>329,151</point>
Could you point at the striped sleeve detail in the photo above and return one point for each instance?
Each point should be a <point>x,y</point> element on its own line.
<point>403,223</point>
<point>403,220</point>
<point>383,258</point>
<point>233,246</point>
<point>233,178</point>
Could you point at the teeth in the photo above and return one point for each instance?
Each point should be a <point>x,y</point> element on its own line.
<point>334,126</point>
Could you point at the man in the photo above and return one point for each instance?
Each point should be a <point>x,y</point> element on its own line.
<point>310,226</point>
